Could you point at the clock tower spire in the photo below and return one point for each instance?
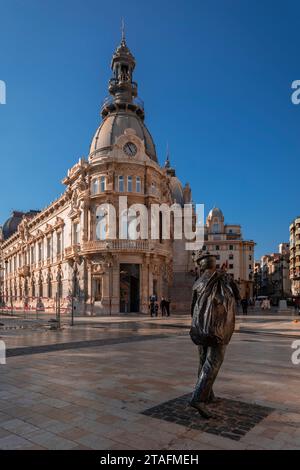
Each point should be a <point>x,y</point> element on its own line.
<point>122,88</point>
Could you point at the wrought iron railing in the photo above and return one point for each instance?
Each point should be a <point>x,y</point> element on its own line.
<point>110,101</point>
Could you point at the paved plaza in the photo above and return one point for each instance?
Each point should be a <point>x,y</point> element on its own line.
<point>124,383</point>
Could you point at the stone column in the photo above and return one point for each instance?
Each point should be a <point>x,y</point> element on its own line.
<point>159,282</point>
<point>106,289</point>
<point>115,286</point>
<point>145,287</point>
<point>85,221</point>
<point>90,224</point>
<point>85,283</point>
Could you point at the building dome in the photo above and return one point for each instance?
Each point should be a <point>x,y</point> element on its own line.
<point>114,125</point>
<point>11,225</point>
<point>176,190</point>
<point>215,212</point>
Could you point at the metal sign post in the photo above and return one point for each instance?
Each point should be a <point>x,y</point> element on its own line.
<point>72,311</point>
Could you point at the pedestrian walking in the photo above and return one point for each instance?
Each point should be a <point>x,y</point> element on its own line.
<point>167,303</point>
<point>163,307</point>
<point>244,304</point>
<point>297,305</point>
<point>152,305</point>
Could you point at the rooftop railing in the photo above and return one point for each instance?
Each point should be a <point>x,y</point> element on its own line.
<point>110,101</point>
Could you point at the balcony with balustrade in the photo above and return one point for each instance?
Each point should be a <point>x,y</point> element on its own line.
<point>136,246</point>
<point>110,105</point>
<point>72,251</point>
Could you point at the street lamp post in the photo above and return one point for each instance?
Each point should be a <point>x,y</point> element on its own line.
<point>73,294</point>
<point>110,287</point>
<point>6,276</point>
<point>282,280</point>
<point>2,269</point>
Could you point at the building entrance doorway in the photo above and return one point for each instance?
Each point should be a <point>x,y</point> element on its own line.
<point>129,288</point>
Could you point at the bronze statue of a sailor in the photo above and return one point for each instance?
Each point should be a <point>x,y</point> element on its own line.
<point>213,319</point>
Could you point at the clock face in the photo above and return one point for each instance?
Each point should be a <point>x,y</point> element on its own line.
<point>130,149</point>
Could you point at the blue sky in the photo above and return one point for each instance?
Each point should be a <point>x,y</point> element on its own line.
<point>216,80</point>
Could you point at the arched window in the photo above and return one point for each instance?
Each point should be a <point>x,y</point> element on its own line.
<point>124,225</point>
<point>32,254</point>
<point>132,226</point>
<point>134,223</point>
<point>40,251</point>
<point>129,184</point>
<point>129,225</point>
<point>102,183</point>
<point>121,184</point>
<point>95,186</point>
<point>101,224</point>
<point>58,243</point>
<point>48,248</point>
<point>76,232</point>
<point>216,228</point>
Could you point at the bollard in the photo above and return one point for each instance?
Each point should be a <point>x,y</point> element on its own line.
<point>2,353</point>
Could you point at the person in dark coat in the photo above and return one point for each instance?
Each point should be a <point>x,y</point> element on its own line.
<point>152,305</point>
<point>167,303</point>
<point>163,306</point>
<point>244,304</point>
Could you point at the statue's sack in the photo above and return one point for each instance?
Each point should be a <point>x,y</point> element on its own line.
<point>214,312</point>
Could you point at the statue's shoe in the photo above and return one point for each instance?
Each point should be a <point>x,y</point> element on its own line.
<point>202,409</point>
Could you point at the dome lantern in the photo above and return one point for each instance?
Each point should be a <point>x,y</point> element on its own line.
<point>123,90</point>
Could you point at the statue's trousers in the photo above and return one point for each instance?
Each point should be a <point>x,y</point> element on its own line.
<point>210,361</point>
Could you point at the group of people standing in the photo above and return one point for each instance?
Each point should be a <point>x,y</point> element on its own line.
<point>264,304</point>
<point>164,306</point>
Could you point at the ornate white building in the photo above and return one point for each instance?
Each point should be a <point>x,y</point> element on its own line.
<point>62,251</point>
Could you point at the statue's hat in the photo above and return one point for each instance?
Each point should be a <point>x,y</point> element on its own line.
<point>201,254</point>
